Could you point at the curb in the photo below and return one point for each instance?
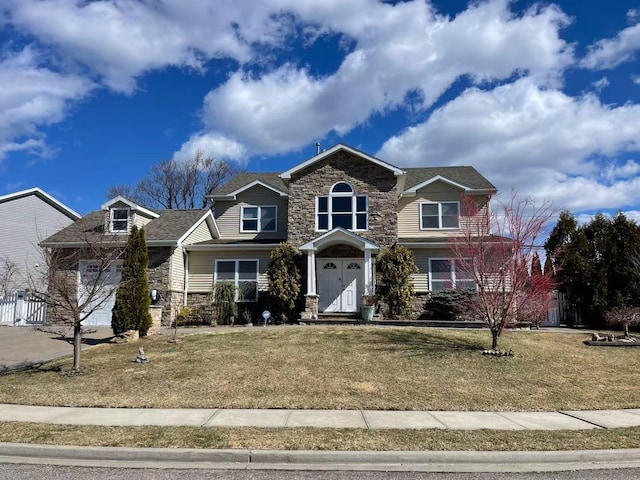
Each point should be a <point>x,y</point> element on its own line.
<point>445,461</point>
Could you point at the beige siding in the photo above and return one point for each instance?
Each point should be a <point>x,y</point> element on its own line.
<point>140,220</point>
<point>409,211</point>
<point>200,234</point>
<point>421,257</point>
<point>177,270</point>
<point>202,267</point>
<point>227,213</point>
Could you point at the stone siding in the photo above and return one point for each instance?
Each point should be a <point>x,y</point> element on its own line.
<point>159,275</point>
<point>366,178</point>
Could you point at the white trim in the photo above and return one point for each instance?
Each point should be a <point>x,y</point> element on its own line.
<point>258,219</point>
<point>354,209</point>
<point>440,227</point>
<point>129,219</point>
<point>336,148</point>
<point>339,235</point>
<point>233,195</point>
<point>439,178</point>
<point>133,206</point>
<point>211,222</point>
<point>45,196</point>
<point>237,275</point>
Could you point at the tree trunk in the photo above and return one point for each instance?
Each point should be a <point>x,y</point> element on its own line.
<point>77,343</point>
<point>495,335</point>
<point>626,330</point>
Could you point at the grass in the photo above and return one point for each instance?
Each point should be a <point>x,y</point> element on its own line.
<point>343,368</point>
<point>318,439</point>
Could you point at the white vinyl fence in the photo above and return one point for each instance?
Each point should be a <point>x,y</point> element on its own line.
<point>22,308</point>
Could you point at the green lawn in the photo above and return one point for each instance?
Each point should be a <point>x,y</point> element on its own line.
<point>344,368</point>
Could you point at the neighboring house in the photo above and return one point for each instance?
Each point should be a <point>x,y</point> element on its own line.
<point>26,218</point>
<point>340,208</point>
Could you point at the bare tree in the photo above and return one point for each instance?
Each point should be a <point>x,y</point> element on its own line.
<point>495,251</point>
<point>72,300</point>
<point>8,271</point>
<point>174,184</point>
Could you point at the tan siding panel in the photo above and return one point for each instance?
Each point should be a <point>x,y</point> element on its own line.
<point>177,270</point>
<point>200,234</point>
<point>409,212</point>
<point>202,266</point>
<point>227,214</point>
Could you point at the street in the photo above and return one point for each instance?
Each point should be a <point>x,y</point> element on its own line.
<point>47,472</point>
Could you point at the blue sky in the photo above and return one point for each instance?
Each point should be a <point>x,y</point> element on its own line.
<point>541,97</point>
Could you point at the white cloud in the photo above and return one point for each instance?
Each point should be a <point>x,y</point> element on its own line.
<point>636,79</point>
<point>538,140</point>
<point>32,96</point>
<point>406,49</point>
<point>611,52</point>
<point>601,84</point>
<point>214,146</point>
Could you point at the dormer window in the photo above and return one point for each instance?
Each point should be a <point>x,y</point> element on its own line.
<point>342,208</point>
<point>119,221</point>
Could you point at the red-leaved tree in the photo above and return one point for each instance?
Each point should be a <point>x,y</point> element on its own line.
<point>495,250</point>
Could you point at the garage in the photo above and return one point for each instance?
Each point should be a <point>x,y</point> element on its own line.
<point>107,284</point>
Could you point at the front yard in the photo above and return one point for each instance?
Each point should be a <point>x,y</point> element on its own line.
<point>343,368</point>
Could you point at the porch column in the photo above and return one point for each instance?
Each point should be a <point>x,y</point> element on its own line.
<point>311,273</point>
<point>369,287</point>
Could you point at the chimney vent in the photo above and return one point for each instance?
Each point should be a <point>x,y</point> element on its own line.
<point>317,148</point>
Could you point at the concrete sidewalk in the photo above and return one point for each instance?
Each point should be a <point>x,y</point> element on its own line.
<point>365,419</point>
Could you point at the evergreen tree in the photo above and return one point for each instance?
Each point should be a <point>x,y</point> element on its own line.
<point>131,309</point>
<point>536,266</point>
<point>395,266</point>
<point>548,266</point>
<point>285,279</point>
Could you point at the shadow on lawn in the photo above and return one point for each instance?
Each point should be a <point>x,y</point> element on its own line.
<point>422,343</point>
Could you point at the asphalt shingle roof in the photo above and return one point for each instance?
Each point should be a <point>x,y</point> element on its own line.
<point>468,176</point>
<point>169,226</point>
<point>268,178</point>
<point>464,175</point>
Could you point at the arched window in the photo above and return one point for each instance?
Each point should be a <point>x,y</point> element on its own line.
<point>342,208</point>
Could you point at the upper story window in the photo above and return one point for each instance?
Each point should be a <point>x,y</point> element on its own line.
<point>440,215</point>
<point>342,208</point>
<point>119,220</point>
<point>259,219</point>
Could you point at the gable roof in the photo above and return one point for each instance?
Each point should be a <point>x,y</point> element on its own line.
<point>168,228</point>
<point>465,177</point>
<point>244,181</point>
<point>340,146</point>
<point>44,196</point>
<point>132,205</point>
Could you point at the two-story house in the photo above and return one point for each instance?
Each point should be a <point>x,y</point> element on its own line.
<point>340,208</point>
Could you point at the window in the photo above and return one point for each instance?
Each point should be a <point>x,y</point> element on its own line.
<point>342,208</point>
<point>119,221</point>
<point>259,219</point>
<point>243,274</point>
<point>447,273</point>
<point>439,215</point>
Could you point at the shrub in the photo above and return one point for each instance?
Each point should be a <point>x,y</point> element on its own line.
<point>449,305</point>
<point>395,266</point>
<point>285,281</point>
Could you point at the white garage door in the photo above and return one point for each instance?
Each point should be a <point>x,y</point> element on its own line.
<point>106,293</point>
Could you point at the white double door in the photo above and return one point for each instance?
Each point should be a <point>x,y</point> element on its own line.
<point>340,284</point>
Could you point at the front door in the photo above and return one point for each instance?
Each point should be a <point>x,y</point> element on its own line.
<point>340,283</point>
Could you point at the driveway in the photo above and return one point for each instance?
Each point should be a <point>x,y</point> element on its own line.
<point>26,345</point>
